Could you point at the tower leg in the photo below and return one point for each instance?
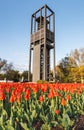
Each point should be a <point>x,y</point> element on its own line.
<point>29,73</point>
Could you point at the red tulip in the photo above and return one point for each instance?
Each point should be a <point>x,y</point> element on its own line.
<point>41,98</point>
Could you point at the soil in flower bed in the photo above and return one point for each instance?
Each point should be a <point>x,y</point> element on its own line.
<point>38,124</point>
<point>80,124</point>
<point>56,128</point>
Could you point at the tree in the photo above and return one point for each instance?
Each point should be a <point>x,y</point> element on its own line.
<point>65,66</point>
<point>2,63</point>
<point>4,66</point>
<point>12,75</point>
<point>71,67</point>
<point>2,76</point>
<point>78,56</point>
<point>81,73</point>
<point>59,74</point>
<point>24,76</point>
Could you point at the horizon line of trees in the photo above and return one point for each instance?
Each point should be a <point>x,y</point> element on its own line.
<point>70,69</point>
<point>7,72</point>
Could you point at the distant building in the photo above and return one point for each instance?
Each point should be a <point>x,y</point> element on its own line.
<point>42,41</point>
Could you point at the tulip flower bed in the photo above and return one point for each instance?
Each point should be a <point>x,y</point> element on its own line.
<point>29,106</point>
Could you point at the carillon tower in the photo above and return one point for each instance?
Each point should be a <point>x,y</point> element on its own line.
<point>41,42</point>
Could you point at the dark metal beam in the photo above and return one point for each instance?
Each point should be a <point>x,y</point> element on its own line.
<point>49,15</point>
<point>49,9</point>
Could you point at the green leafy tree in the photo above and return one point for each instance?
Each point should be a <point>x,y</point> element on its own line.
<point>59,74</point>
<point>12,75</point>
<point>65,66</point>
<point>2,76</point>
<point>71,67</point>
<point>24,76</point>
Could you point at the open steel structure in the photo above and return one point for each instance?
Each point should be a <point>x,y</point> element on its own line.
<point>42,40</point>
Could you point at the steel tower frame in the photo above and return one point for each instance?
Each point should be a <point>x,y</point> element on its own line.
<point>42,40</point>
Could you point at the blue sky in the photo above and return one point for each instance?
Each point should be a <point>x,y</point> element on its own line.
<point>15,28</point>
